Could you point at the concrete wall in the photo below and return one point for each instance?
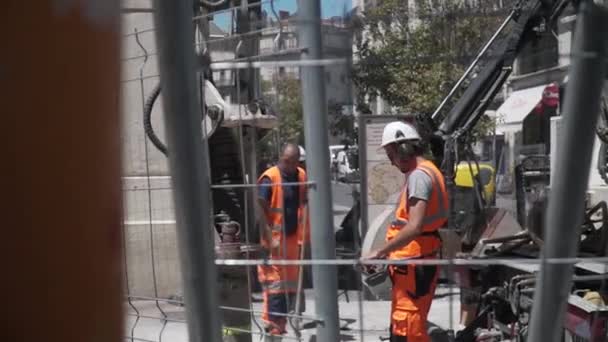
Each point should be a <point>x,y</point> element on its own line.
<point>150,235</point>
<point>149,229</point>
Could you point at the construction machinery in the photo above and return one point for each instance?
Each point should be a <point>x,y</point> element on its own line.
<point>488,232</point>
<point>507,300</point>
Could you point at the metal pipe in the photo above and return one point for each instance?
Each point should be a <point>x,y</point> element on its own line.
<point>511,262</point>
<point>230,186</point>
<point>591,277</point>
<point>364,218</point>
<point>566,202</point>
<point>131,10</point>
<point>472,65</point>
<point>190,174</point>
<point>314,105</point>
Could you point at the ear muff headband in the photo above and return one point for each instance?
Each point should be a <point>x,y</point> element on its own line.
<point>406,150</point>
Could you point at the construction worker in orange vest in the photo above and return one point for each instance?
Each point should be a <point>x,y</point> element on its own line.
<point>302,157</point>
<point>283,207</point>
<point>413,234</point>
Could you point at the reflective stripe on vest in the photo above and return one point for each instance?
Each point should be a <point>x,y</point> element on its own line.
<point>279,228</point>
<point>236,330</point>
<point>279,285</point>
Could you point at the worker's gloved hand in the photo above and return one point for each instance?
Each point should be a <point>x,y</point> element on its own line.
<point>374,255</point>
<point>275,244</point>
<point>271,244</point>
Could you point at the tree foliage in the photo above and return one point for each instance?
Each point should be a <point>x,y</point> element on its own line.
<point>285,96</point>
<point>412,52</point>
<point>341,125</point>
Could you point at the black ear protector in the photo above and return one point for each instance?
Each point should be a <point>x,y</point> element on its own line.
<point>405,149</point>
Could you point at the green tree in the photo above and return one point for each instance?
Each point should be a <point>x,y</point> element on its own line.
<point>413,56</point>
<point>284,95</point>
<point>341,125</point>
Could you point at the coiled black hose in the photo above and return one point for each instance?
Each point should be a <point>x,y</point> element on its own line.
<point>214,114</point>
<point>223,151</point>
<point>602,160</point>
<point>148,106</point>
<point>602,133</point>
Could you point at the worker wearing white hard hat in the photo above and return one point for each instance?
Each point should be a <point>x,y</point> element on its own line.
<point>414,233</point>
<point>398,131</point>
<point>302,157</point>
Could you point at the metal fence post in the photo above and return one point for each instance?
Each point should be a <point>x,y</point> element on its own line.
<point>314,105</point>
<point>566,201</point>
<point>189,172</point>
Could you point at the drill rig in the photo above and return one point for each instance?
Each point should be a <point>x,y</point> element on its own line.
<point>506,299</point>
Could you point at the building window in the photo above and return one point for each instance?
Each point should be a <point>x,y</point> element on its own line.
<point>540,52</point>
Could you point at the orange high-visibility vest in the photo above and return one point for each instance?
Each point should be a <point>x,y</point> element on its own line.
<point>435,217</point>
<point>275,216</point>
<point>274,278</point>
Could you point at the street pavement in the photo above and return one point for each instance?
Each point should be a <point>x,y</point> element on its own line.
<point>342,199</point>
<point>359,320</point>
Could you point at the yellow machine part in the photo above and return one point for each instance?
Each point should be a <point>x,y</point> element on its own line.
<point>595,298</point>
<point>464,179</point>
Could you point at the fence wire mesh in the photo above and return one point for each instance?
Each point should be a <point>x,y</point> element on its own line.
<point>258,63</point>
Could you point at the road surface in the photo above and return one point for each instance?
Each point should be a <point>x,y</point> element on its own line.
<point>342,199</point>
<point>360,320</point>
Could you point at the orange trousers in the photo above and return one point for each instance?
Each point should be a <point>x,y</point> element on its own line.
<point>279,284</point>
<point>413,290</point>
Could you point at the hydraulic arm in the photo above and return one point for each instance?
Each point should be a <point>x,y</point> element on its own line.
<point>495,62</point>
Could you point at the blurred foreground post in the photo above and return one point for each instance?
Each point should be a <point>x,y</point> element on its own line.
<point>59,89</point>
<point>325,280</point>
<point>567,196</point>
<point>189,168</point>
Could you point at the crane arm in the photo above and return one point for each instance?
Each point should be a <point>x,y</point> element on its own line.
<point>497,67</point>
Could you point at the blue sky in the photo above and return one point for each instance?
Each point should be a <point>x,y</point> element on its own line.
<point>329,8</point>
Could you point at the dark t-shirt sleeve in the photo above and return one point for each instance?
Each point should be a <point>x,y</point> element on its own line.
<point>265,192</point>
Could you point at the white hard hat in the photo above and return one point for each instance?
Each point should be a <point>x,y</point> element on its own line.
<point>398,131</point>
<point>302,153</point>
